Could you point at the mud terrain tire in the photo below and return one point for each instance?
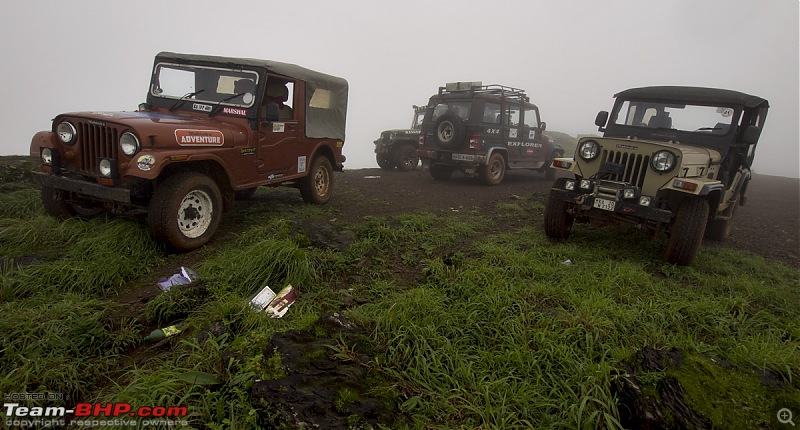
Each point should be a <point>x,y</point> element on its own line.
<point>55,205</point>
<point>441,172</point>
<point>495,170</point>
<point>384,161</point>
<point>557,219</point>
<point>317,187</point>
<point>405,157</point>
<point>686,232</point>
<point>185,211</point>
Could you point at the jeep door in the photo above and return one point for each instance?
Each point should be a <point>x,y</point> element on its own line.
<point>514,133</point>
<point>278,129</point>
<point>531,149</point>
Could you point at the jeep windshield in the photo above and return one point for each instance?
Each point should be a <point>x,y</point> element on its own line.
<point>417,122</point>
<point>201,88</point>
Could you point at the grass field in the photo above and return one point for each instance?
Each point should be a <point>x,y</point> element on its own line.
<point>473,324</point>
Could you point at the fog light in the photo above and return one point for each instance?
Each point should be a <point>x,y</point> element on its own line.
<point>47,156</point>
<point>628,193</point>
<point>586,184</point>
<point>570,185</point>
<point>645,200</point>
<point>107,167</point>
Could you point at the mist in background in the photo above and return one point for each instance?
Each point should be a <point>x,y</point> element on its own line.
<point>570,56</point>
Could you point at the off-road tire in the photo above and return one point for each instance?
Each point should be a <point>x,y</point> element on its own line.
<point>245,194</point>
<point>720,229</point>
<point>55,204</point>
<point>449,131</point>
<point>385,161</point>
<point>557,219</point>
<point>185,211</point>
<point>405,157</point>
<point>686,231</point>
<point>317,187</point>
<point>441,172</point>
<point>495,170</point>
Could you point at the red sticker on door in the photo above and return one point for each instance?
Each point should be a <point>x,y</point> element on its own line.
<point>186,137</point>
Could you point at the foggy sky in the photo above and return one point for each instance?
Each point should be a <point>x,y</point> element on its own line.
<point>571,56</point>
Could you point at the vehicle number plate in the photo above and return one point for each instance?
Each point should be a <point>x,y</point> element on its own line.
<point>606,205</point>
<point>463,157</point>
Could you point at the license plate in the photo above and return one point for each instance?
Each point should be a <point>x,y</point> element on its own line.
<point>463,157</point>
<point>606,205</point>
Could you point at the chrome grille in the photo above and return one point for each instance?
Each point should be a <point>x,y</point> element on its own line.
<point>96,141</point>
<point>634,166</point>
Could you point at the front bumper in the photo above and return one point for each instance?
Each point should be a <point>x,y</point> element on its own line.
<point>84,188</point>
<point>585,203</point>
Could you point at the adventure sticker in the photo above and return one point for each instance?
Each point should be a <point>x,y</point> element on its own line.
<point>186,137</point>
<point>145,162</point>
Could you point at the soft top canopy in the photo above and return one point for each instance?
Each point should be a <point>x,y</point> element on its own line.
<point>693,95</point>
<point>326,95</point>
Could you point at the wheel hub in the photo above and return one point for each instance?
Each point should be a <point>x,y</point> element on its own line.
<point>195,213</point>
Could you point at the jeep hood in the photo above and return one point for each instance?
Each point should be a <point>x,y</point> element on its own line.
<point>166,128</point>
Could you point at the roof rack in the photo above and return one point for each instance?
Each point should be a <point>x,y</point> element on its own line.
<point>478,88</point>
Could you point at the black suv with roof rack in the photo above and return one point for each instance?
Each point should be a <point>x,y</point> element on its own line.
<point>484,130</point>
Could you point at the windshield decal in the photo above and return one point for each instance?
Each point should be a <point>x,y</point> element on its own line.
<point>186,137</point>
<point>234,111</point>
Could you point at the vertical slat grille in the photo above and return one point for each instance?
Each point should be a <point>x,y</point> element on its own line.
<point>634,166</point>
<point>96,141</point>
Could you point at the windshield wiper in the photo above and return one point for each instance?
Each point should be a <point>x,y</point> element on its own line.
<point>182,100</point>
<point>216,107</point>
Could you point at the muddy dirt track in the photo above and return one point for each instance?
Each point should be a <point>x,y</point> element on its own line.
<point>768,225</point>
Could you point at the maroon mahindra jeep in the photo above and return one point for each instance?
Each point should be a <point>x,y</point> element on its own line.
<point>213,128</point>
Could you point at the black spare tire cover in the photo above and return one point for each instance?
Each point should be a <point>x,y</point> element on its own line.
<point>449,131</point>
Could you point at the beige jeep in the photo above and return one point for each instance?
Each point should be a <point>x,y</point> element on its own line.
<point>671,159</point>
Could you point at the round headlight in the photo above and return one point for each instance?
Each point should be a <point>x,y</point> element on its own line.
<point>589,150</point>
<point>128,143</point>
<point>66,133</point>
<point>105,167</point>
<point>663,161</point>
<point>47,156</point>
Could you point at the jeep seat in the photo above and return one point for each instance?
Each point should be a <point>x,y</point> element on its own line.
<point>660,120</point>
<point>278,93</point>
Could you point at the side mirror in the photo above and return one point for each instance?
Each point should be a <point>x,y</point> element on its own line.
<point>543,126</point>
<point>751,134</point>
<point>601,119</point>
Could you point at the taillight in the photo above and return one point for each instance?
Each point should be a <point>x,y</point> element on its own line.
<point>475,141</point>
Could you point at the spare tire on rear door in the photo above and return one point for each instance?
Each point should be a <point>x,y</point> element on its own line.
<point>449,131</point>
